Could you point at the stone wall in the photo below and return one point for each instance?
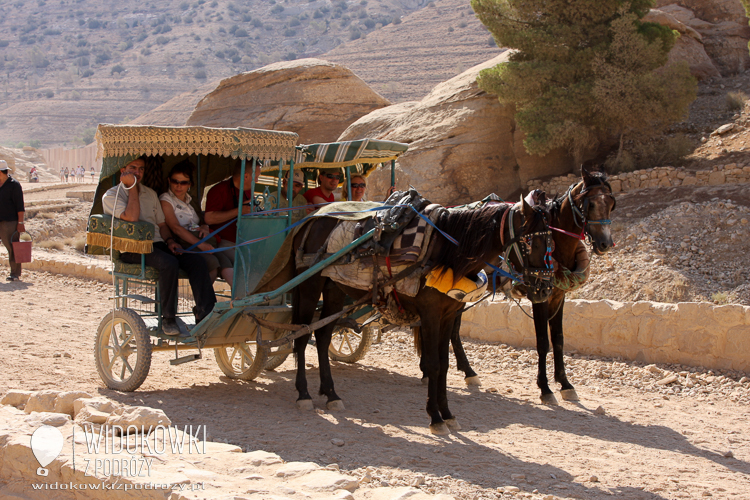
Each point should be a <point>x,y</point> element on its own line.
<point>689,333</point>
<point>732,173</point>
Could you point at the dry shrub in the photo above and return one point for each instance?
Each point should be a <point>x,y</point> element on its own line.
<point>720,298</point>
<point>51,244</point>
<point>80,244</point>
<point>736,100</point>
<point>45,215</point>
<point>676,290</point>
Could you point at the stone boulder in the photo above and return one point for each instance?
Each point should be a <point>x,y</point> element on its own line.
<point>138,416</point>
<point>463,144</point>
<point>64,401</point>
<point>689,46</point>
<point>723,27</point>
<point>41,401</point>
<point>314,98</point>
<point>176,111</point>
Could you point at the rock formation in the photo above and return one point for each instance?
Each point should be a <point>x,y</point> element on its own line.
<point>463,143</point>
<point>177,110</point>
<point>722,26</point>
<point>314,98</point>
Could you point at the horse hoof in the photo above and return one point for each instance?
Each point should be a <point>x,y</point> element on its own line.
<point>425,380</point>
<point>336,405</point>
<point>569,395</point>
<point>473,381</point>
<point>549,399</point>
<point>440,429</point>
<point>305,404</point>
<point>453,424</point>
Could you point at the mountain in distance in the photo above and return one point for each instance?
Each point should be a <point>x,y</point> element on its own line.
<point>68,65</point>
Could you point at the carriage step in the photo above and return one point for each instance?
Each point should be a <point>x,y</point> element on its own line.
<point>142,298</point>
<point>185,359</point>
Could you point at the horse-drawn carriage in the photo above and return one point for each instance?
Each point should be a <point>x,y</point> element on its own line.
<point>281,270</point>
<point>127,336</point>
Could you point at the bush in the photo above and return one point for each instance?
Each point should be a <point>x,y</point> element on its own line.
<point>87,73</point>
<point>396,20</point>
<point>316,15</point>
<point>294,22</point>
<point>49,94</point>
<point>4,43</point>
<point>290,56</point>
<point>198,63</point>
<point>736,100</point>
<point>369,23</point>
<point>450,29</point>
<point>75,95</point>
<point>117,68</point>
<point>355,34</point>
<point>94,24</point>
<point>35,143</point>
<point>277,9</point>
<point>200,74</point>
<point>162,40</point>
<point>240,33</point>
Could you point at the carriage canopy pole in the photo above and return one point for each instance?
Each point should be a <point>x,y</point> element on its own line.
<point>198,180</point>
<point>264,297</point>
<point>349,183</point>
<point>278,184</point>
<point>289,184</point>
<point>239,216</point>
<point>393,173</point>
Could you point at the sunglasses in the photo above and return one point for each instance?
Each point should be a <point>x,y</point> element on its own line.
<point>333,176</point>
<point>359,186</point>
<point>179,183</point>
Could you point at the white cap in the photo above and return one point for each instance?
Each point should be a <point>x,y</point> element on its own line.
<point>297,177</point>
<point>4,165</point>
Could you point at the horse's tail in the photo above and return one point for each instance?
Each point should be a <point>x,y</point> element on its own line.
<point>417,330</point>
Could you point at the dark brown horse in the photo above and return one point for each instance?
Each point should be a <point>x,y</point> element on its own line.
<point>582,212</point>
<point>482,235</point>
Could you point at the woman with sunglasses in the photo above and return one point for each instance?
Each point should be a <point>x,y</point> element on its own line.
<point>184,221</point>
<point>358,188</point>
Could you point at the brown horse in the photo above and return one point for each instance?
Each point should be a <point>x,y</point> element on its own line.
<point>582,212</point>
<point>482,235</point>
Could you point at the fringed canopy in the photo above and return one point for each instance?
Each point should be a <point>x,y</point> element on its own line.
<point>118,144</point>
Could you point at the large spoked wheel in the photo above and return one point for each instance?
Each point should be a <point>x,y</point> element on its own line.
<point>349,346</point>
<point>277,360</point>
<point>123,350</point>
<point>244,361</point>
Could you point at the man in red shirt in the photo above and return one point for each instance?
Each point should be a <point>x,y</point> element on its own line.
<point>222,203</point>
<point>327,184</point>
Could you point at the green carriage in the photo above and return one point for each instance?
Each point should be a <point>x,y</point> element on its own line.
<point>128,335</point>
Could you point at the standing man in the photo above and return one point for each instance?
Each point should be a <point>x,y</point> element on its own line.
<point>11,216</point>
<point>327,184</point>
<point>141,203</point>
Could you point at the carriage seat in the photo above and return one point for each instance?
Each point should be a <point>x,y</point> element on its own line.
<point>133,237</point>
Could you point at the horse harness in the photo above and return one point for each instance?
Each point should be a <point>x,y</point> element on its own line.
<point>536,277</point>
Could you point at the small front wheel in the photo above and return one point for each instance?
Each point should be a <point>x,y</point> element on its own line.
<point>123,350</point>
<point>244,361</point>
<point>349,346</point>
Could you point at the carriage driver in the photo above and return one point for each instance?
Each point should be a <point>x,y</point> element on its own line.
<point>166,256</point>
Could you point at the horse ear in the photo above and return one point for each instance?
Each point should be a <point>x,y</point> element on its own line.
<point>585,174</point>
<point>528,211</point>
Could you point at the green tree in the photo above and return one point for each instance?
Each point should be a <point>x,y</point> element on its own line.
<point>584,71</point>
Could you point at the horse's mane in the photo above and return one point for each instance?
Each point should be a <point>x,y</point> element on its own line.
<point>474,230</point>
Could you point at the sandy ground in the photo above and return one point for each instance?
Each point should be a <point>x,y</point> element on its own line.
<point>645,442</point>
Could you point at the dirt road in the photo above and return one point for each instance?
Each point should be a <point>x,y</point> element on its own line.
<point>627,438</point>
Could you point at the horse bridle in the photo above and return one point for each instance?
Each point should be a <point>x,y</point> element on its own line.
<point>540,277</point>
<point>580,213</point>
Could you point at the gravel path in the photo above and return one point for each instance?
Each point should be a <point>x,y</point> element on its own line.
<point>629,437</point>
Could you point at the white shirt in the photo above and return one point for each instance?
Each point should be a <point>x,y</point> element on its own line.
<point>150,206</point>
<point>184,211</point>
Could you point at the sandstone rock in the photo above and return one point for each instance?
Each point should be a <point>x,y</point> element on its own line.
<point>15,397</point>
<point>688,47</point>
<point>668,380</point>
<point>463,144</point>
<point>177,110</point>
<point>41,401</point>
<point>88,414</point>
<point>324,480</point>
<point>402,493</point>
<point>600,411</point>
<point>99,404</point>
<point>138,416</point>
<point>64,401</point>
<point>296,469</point>
<point>716,178</point>
<point>35,419</point>
<point>314,98</point>
<point>260,457</point>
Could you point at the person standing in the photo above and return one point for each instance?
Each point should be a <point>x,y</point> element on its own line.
<point>93,174</point>
<point>11,216</point>
<point>62,174</point>
<point>67,173</point>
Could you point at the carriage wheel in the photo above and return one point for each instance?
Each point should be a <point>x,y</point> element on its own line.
<point>123,350</point>
<point>243,361</point>
<point>275,361</point>
<point>349,346</point>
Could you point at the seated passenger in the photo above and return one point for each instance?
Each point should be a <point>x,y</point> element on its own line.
<point>184,222</point>
<point>142,204</point>
<point>327,184</point>
<point>221,206</point>
<point>297,199</point>
<point>358,188</point>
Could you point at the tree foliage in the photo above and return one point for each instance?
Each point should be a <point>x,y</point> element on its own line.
<point>583,71</point>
